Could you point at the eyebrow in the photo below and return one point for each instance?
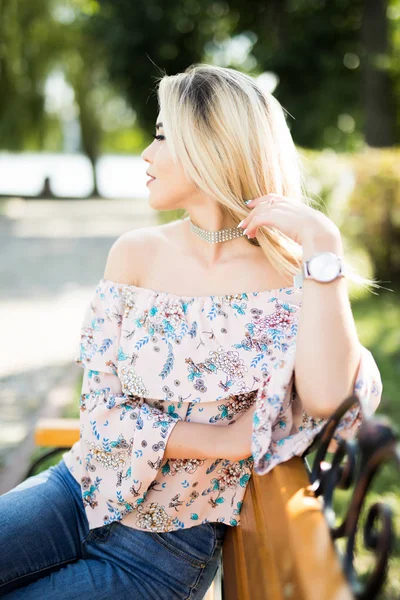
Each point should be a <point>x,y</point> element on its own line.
<point>159,125</point>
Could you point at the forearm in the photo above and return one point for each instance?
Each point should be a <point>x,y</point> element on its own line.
<point>328,350</point>
<point>197,440</point>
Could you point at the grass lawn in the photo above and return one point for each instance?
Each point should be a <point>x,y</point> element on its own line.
<point>377,319</point>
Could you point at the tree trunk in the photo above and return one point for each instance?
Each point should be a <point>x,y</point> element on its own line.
<point>95,192</point>
<point>377,84</point>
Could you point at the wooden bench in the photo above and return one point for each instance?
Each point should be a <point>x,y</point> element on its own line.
<point>62,433</point>
<point>282,548</point>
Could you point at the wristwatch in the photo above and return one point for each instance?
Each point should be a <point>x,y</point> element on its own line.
<point>323,267</point>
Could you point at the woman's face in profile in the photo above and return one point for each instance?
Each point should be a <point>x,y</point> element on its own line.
<point>171,188</point>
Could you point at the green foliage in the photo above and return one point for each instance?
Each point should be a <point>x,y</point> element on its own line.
<point>46,463</point>
<point>315,49</point>
<point>70,412</point>
<point>375,316</point>
<point>360,192</point>
<point>137,36</point>
<point>114,48</point>
<point>373,211</point>
<point>305,44</point>
<point>124,141</point>
<point>166,216</point>
<point>26,44</point>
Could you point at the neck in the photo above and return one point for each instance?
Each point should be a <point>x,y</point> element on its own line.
<point>212,254</point>
<point>212,222</point>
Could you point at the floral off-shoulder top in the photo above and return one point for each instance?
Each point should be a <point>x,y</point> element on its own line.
<point>152,358</point>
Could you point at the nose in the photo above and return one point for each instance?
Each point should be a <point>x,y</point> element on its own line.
<point>145,154</point>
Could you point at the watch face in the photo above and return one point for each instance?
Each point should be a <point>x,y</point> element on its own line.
<point>324,267</point>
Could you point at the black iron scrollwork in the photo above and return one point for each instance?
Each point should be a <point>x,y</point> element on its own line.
<point>356,462</point>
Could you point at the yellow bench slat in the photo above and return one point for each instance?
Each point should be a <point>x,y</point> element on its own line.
<point>56,432</point>
<point>282,548</point>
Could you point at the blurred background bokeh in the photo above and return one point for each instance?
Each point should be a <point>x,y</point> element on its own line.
<point>78,106</point>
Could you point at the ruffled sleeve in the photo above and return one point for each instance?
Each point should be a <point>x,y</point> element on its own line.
<point>122,438</point>
<point>282,429</point>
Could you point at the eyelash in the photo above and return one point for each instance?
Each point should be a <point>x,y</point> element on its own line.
<point>158,137</point>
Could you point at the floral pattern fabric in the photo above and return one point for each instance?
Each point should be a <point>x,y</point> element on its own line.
<point>152,358</point>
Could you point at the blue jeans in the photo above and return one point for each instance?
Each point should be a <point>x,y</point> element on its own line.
<point>48,552</point>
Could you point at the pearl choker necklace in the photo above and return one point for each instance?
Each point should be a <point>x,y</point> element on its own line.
<point>215,237</point>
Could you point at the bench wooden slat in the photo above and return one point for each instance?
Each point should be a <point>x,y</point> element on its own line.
<point>56,432</point>
<point>282,548</point>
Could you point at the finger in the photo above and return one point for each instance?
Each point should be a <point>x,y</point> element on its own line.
<point>259,211</point>
<point>270,196</point>
<point>262,203</point>
<point>258,221</point>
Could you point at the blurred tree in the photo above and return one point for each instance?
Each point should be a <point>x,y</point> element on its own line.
<point>315,48</point>
<point>331,59</point>
<point>137,36</point>
<point>83,64</point>
<point>378,76</point>
<point>27,46</point>
<point>37,39</point>
<point>335,75</point>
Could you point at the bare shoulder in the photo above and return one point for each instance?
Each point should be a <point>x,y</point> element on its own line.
<point>129,254</point>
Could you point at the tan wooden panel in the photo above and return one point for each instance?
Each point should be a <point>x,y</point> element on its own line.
<point>282,548</point>
<point>56,432</point>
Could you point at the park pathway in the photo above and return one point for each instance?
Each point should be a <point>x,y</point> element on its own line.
<point>53,254</point>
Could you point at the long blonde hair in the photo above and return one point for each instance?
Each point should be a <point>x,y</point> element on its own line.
<point>232,140</point>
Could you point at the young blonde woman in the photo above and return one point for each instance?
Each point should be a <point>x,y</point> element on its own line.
<point>213,347</point>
